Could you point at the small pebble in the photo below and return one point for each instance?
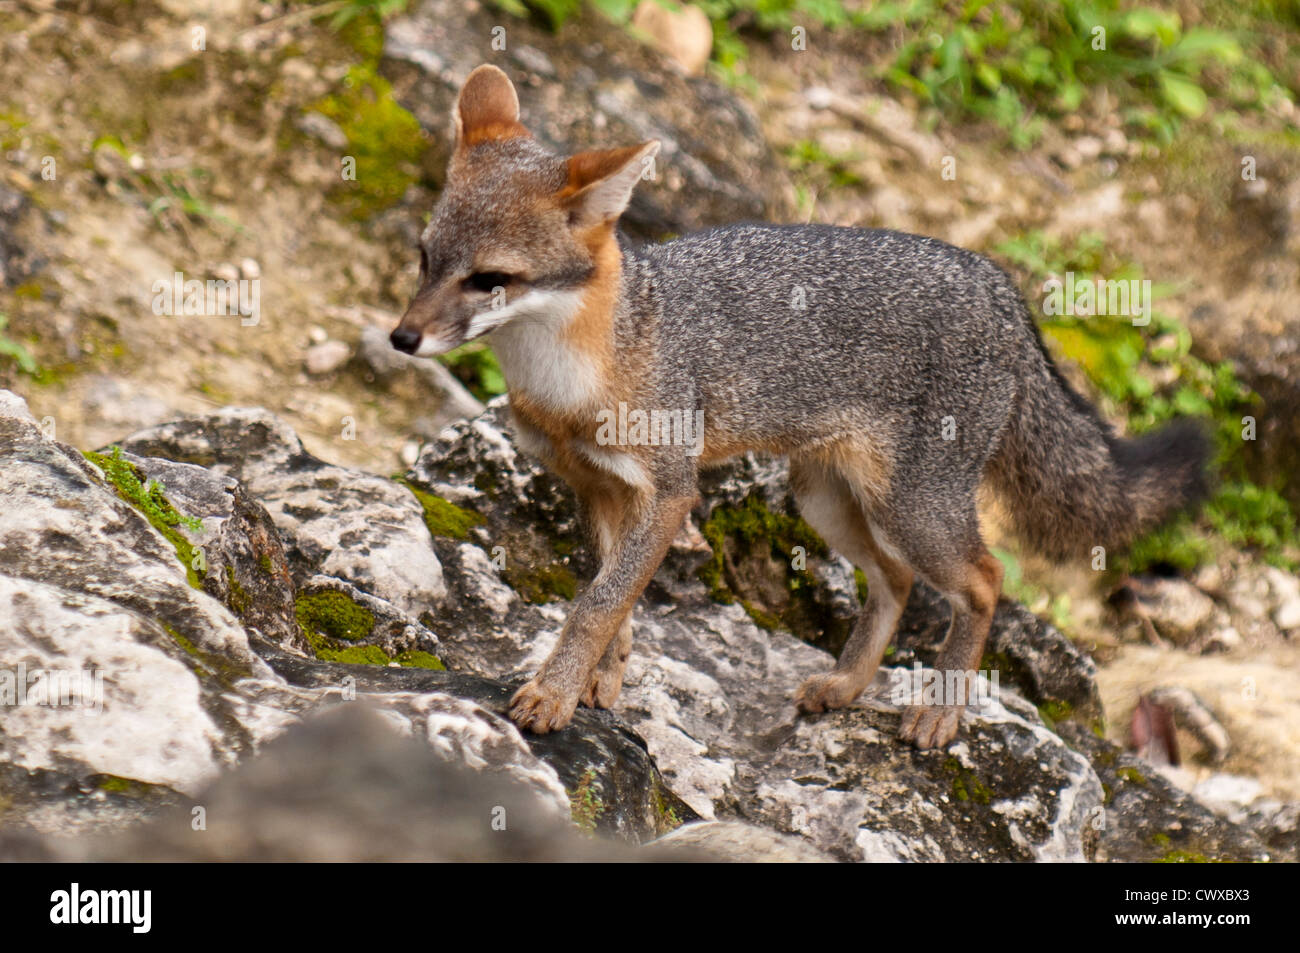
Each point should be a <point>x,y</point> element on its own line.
<point>327,357</point>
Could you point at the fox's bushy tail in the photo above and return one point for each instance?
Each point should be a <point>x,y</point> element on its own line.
<point>1071,484</point>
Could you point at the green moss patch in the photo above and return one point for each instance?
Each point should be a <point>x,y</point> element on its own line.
<point>238,597</point>
<point>531,571</point>
<point>443,517</point>
<point>331,620</point>
<point>754,564</point>
<point>384,139</point>
<point>150,498</point>
<point>666,817</point>
<point>544,584</point>
<point>333,615</point>
<point>414,658</point>
<point>1183,857</point>
<point>1054,710</point>
<point>206,664</point>
<point>1132,775</point>
<point>966,785</point>
<point>751,524</point>
<point>186,645</point>
<point>585,804</point>
<point>129,787</point>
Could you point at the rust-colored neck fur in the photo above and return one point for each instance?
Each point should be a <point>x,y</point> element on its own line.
<point>591,331</point>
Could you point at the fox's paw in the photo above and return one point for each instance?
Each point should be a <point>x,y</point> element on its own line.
<point>824,692</point>
<point>604,685</point>
<point>540,708</point>
<point>930,726</point>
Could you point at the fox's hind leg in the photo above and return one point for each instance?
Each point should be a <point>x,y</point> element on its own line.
<point>950,556</point>
<point>831,506</point>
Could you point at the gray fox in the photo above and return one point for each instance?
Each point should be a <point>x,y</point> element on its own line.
<point>897,373</point>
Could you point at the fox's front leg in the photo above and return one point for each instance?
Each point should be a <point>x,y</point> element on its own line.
<point>605,509</point>
<point>546,703</point>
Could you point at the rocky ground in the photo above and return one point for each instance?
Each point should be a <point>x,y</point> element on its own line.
<point>285,571</point>
<point>254,586</point>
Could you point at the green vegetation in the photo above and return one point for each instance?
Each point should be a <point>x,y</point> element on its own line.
<point>330,620</point>
<point>174,198</point>
<point>129,787</point>
<point>442,517</point>
<point>350,10</point>
<point>9,348</point>
<point>665,813</point>
<point>150,498</point>
<point>1037,599</point>
<point>334,615</point>
<point>187,646</point>
<point>1020,62</point>
<point>11,130</point>
<point>1148,376</point>
<point>238,598</point>
<point>752,527</point>
<point>536,580</point>
<point>1183,857</point>
<point>415,658</point>
<point>585,804</point>
<point>966,785</point>
<point>206,664</point>
<point>384,139</point>
<point>543,584</point>
<point>816,169</point>
<point>179,194</point>
<point>1133,776</point>
<point>1016,62</point>
<point>1054,710</point>
<point>476,367</point>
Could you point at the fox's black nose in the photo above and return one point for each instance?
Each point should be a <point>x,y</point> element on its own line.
<point>404,339</point>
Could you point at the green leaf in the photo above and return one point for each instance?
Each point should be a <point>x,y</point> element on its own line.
<point>988,76</point>
<point>1145,23</point>
<point>1183,94</point>
<point>1200,44</point>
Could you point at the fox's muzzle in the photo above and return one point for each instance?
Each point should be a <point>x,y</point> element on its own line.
<point>426,328</point>
<point>404,339</point>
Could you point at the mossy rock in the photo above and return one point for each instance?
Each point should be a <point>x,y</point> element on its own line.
<point>443,517</point>
<point>761,559</point>
<point>384,140</point>
<point>336,627</point>
<point>334,615</point>
<point>150,498</point>
<point>542,584</point>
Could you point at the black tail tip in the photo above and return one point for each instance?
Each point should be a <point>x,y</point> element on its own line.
<point>1176,457</point>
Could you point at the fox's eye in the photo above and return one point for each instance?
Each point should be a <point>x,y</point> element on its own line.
<point>487,280</point>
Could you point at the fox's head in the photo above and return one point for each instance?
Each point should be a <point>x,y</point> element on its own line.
<point>518,232</point>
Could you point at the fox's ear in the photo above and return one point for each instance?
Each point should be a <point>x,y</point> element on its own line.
<point>486,109</point>
<point>601,181</point>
